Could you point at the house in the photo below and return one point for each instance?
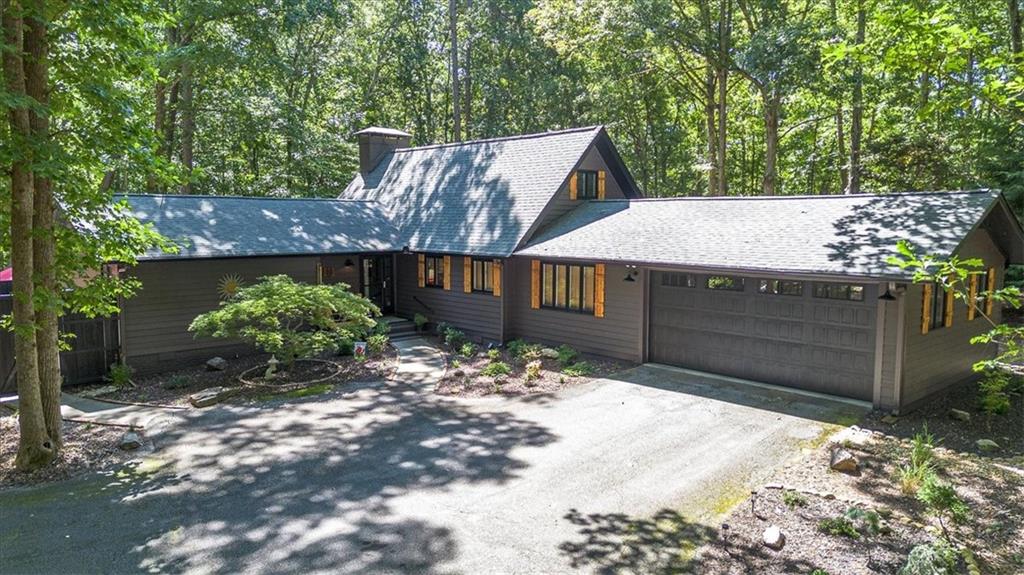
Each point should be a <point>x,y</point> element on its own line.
<point>547,237</point>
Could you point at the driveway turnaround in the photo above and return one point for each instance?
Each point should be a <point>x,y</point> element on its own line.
<point>627,473</point>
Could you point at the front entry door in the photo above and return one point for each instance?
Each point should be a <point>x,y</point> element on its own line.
<point>376,282</point>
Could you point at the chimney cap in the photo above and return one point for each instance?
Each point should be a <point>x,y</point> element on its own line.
<point>378,131</point>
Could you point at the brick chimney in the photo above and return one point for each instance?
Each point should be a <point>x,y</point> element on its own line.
<point>375,143</point>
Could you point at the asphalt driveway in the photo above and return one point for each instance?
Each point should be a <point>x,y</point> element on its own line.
<point>622,474</point>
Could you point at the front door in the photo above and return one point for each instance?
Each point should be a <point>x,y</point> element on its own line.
<point>376,282</point>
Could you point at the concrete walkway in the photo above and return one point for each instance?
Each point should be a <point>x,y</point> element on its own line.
<point>419,362</point>
<point>84,409</point>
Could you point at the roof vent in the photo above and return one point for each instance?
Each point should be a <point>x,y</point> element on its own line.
<point>375,143</point>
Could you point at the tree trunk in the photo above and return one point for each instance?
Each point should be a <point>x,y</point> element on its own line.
<point>710,107</point>
<point>1016,41</point>
<point>841,158</point>
<point>857,119</point>
<point>34,447</point>
<point>43,248</point>
<point>467,87</point>
<point>456,103</point>
<point>188,123</point>
<point>772,104</point>
<point>724,39</point>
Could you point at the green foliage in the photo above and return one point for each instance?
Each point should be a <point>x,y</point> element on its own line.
<point>533,370</point>
<point>921,463</point>
<point>819,572</point>
<point>936,558</point>
<point>866,521</point>
<point>994,398</point>
<point>378,342</point>
<point>578,369</point>
<point>942,500</point>
<point>290,319</point>
<point>566,354</point>
<point>120,375</point>
<point>839,526</point>
<point>468,349</point>
<point>420,320</point>
<point>382,328</point>
<point>176,382</point>
<point>793,499</point>
<point>496,369</point>
<point>494,354</point>
<point>454,338</point>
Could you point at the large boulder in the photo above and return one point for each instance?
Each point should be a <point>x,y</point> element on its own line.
<point>987,445</point>
<point>959,415</point>
<point>843,461</point>
<point>130,441</point>
<point>774,538</point>
<point>549,353</point>
<point>216,364</point>
<point>210,396</point>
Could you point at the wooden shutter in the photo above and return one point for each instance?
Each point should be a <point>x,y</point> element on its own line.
<point>600,184</point>
<point>599,290</point>
<point>421,270</point>
<point>572,186</point>
<point>926,308</point>
<point>535,284</point>
<point>448,272</point>
<point>947,317</point>
<point>467,274</point>
<point>991,288</point>
<point>972,297</point>
<point>496,277</point>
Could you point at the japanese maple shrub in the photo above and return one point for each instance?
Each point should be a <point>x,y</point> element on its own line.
<point>290,319</point>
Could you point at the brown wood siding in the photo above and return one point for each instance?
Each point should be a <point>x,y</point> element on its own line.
<point>944,355</point>
<point>173,293</point>
<point>476,313</point>
<point>562,202</point>
<point>617,334</point>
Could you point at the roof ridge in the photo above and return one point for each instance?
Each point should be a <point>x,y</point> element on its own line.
<point>502,139</point>
<point>227,197</point>
<point>978,191</point>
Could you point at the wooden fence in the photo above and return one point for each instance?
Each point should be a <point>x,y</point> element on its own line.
<point>94,348</point>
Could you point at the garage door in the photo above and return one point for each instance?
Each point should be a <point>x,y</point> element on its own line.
<point>788,338</point>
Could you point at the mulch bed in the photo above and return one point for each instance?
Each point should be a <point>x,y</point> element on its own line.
<point>175,387</point>
<point>464,379</point>
<point>87,447</point>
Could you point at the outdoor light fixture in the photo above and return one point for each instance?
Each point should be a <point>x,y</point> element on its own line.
<point>887,296</point>
<point>406,250</point>
<point>630,274</point>
<point>349,263</point>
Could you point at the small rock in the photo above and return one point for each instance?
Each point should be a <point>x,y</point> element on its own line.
<point>890,419</point>
<point>828,496</point>
<point>130,441</point>
<point>987,445</point>
<point>774,538</point>
<point>216,364</point>
<point>549,353</point>
<point>844,461</point>
<point>210,396</point>
<point>773,486</point>
<point>459,373</point>
<point>959,415</point>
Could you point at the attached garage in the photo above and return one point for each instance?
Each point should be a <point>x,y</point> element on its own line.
<point>809,335</point>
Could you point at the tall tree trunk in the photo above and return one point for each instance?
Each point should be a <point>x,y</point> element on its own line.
<point>34,447</point>
<point>724,40</point>
<point>43,248</point>
<point>857,118</point>
<point>841,157</point>
<point>1016,40</point>
<point>456,103</point>
<point>772,105</point>
<point>710,107</point>
<point>188,123</point>
<point>467,87</point>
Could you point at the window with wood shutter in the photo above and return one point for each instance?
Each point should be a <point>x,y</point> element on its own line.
<point>435,271</point>
<point>467,274</point>
<point>447,272</point>
<point>572,186</point>
<point>496,277</point>
<point>421,272</point>
<point>926,308</point>
<point>972,297</point>
<point>482,275</point>
<point>990,285</point>
<point>535,284</point>
<point>587,184</point>
<point>600,184</point>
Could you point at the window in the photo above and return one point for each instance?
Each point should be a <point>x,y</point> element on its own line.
<point>781,287</point>
<point>483,275</point>
<point>938,309</point>
<point>678,280</point>
<point>433,267</point>
<point>567,286</point>
<point>731,283</point>
<point>848,292</point>
<point>586,184</point>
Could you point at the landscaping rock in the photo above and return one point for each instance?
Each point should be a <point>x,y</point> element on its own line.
<point>774,538</point>
<point>217,364</point>
<point>959,415</point>
<point>843,461</point>
<point>890,419</point>
<point>987,445</point>
<point>130,441</point>
<point>549,353</point>
<point>210,396</point>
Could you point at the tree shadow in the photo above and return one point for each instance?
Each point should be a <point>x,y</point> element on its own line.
<point>306,486</point>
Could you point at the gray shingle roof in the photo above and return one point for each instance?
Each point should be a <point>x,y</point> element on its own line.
<point>218,226</point>
<point>843,235</point>
<point>475,198</point>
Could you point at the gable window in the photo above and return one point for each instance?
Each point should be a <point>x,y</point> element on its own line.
<point>678,280</point>
<point>433,271</point>
<point>781,287</point>
<point>938,307</point>
<point>567,286</point>
<point>730,283</point>
<point>847,292</point>
<point>483,275</point>
<point>586,184</point>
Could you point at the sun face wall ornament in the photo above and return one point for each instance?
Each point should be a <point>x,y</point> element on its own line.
<point>229,285</point>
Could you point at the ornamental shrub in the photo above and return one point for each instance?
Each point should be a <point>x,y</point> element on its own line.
<point>290,319</point>
<point>496,369</point>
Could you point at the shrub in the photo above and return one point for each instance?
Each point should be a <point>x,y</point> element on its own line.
<point>382,328</point>
<point>868,522</point>
<point>494,354</point>
<point>793,499</point>
<point>420,320</point>
<point>839,526</point>
<point>533,370</point>
<point>941,500</point>
<point>921,464</point>
<point>819,572</point>
<point>567,355</point>
<point>578,369</point>
<point>454,338</point>
<point>515,347</point>
<point>930,559</point>
<point>378,342</point>
<point>290,319</point>
<point>176,382</point>
<point>468,349</point>
<point>521,349</point>
<point>993,398</point>
<point>496,369</point>
<point>120,375</point>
